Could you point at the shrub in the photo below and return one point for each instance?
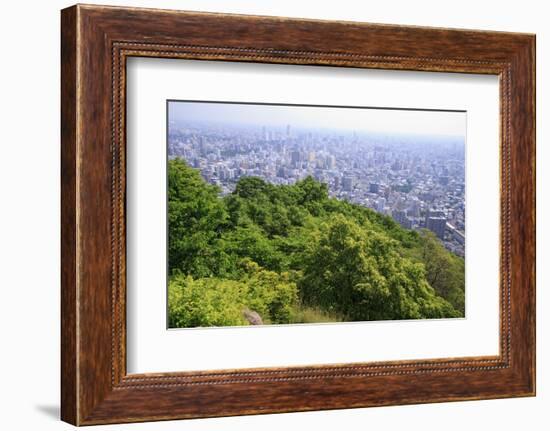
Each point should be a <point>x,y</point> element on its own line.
<point>222,302</point>
<point>204,302</point>
<point>360,274</point>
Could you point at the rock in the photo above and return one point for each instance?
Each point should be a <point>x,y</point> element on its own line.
<point>252,317</point>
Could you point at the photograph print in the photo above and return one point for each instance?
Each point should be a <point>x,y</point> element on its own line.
<point>303,214</point>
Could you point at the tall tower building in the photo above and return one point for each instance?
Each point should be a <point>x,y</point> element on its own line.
<point>347,184</point>
<point>400,217</point>
<point>437,225</point>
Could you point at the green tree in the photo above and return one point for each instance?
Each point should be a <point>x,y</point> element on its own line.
<point>444,271</point>
<point>196,218</point>
<point>272,295</point>
<point>221,302</point>
<point>251,187</point>
<point>205,302</point>
<point>252,248</point>
<point>360,275</point>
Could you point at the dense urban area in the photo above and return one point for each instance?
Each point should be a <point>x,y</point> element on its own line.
<point>417,180</point>
<point>283,224</point>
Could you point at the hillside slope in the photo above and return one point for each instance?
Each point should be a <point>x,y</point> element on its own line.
<point>292,254</point>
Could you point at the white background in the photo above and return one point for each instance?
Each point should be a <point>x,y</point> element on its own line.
<point>29,216</point>
<point>151,348</point>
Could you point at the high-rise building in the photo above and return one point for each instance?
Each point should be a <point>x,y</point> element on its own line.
<point>295,157</point>
<point>381,205</point>
<point>414,208</point>
<point>347,184</point>
<point>400,217</point>
<point>437,225</point>
<point>374,187</point>
<point>434,213</point>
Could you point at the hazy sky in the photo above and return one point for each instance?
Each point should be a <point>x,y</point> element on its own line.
<point>351,119</point>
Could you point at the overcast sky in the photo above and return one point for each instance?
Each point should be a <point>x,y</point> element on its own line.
<point>351,119</point>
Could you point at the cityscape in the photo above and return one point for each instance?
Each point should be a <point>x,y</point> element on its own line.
<point>417,179</point>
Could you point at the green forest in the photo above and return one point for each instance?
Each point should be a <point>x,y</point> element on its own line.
<point>282,254</point>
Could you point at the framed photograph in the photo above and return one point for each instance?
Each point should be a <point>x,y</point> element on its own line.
<point>322,214</point>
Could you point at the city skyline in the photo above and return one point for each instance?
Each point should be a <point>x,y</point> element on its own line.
<point>396,121</point>
<point>418,180</point>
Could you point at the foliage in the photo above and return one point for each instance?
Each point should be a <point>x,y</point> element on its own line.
<point>444,271</point>
<point>360,275</point>
<point>195,217</point>
<point>222,302</point>
<point>204,302</point>
<point>313,314</point>
<point>291,253</point>
<point>270,294</point>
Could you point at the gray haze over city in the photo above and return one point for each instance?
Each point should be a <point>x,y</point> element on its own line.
<point>407,164</point>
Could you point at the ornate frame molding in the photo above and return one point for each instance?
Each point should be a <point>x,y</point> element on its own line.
<point>96,41</point>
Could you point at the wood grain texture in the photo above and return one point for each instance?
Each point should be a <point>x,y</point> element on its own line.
<point>96,41</point>
<point>69,366</point>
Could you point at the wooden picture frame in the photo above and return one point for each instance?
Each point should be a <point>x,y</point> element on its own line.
<point>95,43</point>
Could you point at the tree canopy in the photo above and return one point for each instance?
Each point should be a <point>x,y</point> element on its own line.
<point>292,254</point>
